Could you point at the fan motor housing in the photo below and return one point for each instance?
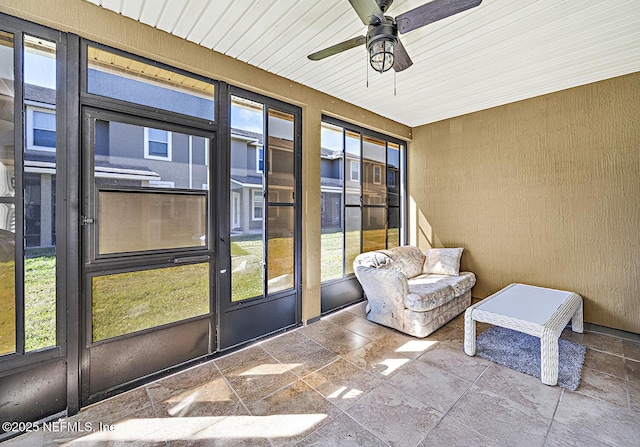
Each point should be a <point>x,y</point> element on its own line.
<point>385,30</point>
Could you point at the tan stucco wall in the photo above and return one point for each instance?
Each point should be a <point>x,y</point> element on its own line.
<point>102,26</point>
<point>544,191</point>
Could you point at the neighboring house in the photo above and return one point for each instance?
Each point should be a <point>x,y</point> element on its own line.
<point>248,177</point>
<point>132,156</point>
<point>374,177</point>
<point>247,166</point>
<point>331,193</point>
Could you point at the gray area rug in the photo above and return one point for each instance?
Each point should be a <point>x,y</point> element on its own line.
<point>521,352</point>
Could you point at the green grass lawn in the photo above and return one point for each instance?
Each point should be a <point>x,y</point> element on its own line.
<point>40,301</point>
<point>133,301</point>
<point>331,254</point>
<point>129,302</point>
<point>7,307</point>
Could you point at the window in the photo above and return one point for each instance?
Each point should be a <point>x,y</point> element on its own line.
<point>41,128</point>
<point>391,178</point>
<point>377,175</point>
<point>259,159</point>
<point>262,190</point>
<point>363,212</point>
<point>28,295</point>
<point>157,144</point>
<point>137,81</point>
<point>355,171</point>
<point>256,209</point>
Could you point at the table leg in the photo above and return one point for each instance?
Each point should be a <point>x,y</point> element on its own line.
<point>549,357</point>
<point>577,319</point>
<point>469,333</point>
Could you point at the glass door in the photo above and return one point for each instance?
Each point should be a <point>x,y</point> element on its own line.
<point>264,237</point>
<point>148,255</point>
<point>33,298</point>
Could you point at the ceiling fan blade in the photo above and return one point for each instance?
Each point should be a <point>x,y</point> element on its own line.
<point>367,10</point>
<point>401,59</point>
<point>432,12</point>
<point>338,48</point>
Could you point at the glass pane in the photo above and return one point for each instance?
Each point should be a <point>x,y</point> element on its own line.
<point>120,158</point>
<point>7,150</point>
<point>353,226</point>
<point>7,280</point>
<point>159,149</point>
<point>127,79</point>
<point>158,135</point>
<point>280,160</point>
<point>128,302</point>
<point>331,201</point>
<point>374,182</point>
<point>280,262</point>
<point>247,254</point>
<point>374,229</point>
<point>43,120</point>
<point>39,184</point>
<point>393,174</point>
<point>247,207</point>
<point>393,232</point>
<point>45,138</point>
<point>7,191</point>
<point>352,168</point>
<point>138,221</point>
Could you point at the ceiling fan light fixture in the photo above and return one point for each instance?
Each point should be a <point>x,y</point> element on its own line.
<point>381,54</point>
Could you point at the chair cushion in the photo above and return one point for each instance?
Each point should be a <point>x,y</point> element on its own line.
<point>425,295</point>
<point>460,284</point>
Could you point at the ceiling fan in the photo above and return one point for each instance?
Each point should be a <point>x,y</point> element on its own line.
<point>382,41</point>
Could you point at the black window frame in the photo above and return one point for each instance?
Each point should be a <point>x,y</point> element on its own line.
<point>20,358</point>
<point>402,205</point>
<point>269,103</point>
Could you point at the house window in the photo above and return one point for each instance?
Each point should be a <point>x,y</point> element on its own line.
<point>257,206</point>
<point>377,175</point>
<point>355,171</point>
<point>41,128</point>
<point>259,160</point>
<point>391,179</point>
<point>157,144</point>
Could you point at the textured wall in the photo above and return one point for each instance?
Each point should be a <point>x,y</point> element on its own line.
<point>544,191</point>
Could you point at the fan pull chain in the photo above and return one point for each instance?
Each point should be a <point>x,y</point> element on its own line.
<point>394,83</point>
<point>367,73</point>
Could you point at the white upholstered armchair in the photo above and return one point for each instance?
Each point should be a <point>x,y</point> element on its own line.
<point>411,291</point>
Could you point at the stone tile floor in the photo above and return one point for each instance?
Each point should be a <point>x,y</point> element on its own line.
<point>344,381</point>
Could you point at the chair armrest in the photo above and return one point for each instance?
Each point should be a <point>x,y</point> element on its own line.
<point>383,286</point>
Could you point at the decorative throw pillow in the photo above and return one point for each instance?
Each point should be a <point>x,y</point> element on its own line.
<point>443,261</point>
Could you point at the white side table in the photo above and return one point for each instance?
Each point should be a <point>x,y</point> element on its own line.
<point>536,311</point>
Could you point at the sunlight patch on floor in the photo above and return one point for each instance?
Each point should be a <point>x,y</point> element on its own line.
<point>417,346</point>
<point>342,393</point>
<point>183,405</point>
<point>270,368</point>
<point>392,365</point>
<point>226,427</point>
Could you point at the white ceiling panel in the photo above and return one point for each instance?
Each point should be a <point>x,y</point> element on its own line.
<point>499,52</point>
